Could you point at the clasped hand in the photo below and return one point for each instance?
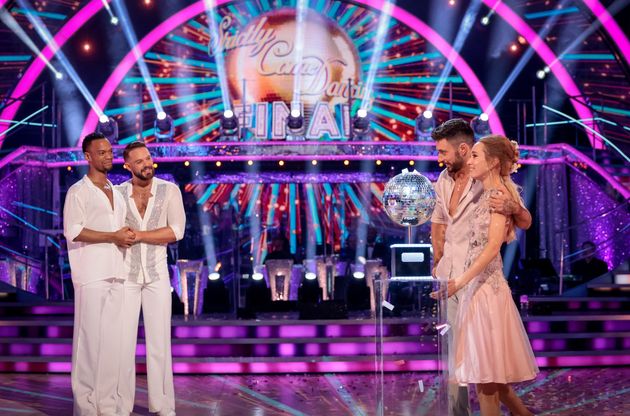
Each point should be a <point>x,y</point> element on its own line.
<point>126,237</point>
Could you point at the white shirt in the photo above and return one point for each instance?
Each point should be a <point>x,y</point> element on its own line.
<point>456,239</point>
<point>147,262</point>
<point>86,206</point>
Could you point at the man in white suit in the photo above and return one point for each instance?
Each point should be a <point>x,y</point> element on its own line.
<point>155,213</point>
<point>94,227</point>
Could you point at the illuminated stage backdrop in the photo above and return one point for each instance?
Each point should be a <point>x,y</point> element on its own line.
<point>257,42</point>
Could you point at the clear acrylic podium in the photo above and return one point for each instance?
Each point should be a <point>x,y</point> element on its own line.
<point>411,378</point>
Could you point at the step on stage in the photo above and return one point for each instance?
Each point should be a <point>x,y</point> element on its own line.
<point>565,332</point>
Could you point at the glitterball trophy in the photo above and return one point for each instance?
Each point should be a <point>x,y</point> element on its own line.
<point>409,200</point>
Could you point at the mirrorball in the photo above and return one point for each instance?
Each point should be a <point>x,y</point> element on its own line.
<point>409,199</point>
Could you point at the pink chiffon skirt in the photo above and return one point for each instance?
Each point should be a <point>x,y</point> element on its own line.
<point>492,345</point>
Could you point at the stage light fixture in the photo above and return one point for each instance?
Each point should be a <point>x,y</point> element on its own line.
<point>281,162</point>
<point>425,124</point>
<point>218,163</point>
<point>257,274</point>
<point>114,20</point>
<point>164,128</point>
<point>58,75</point>
<point>361,125</point>
<point>295,125</point>
<point>214,276</point>
<point>346,162</point>
<point>108,127</point>
<point>540,74</point>
<point>358,271</point>
<point>480,125</point>
<point>313,162</point>
<point>310,276</point>
<point>229,125</point>
<point>295,120</point>
<point>485,21</point>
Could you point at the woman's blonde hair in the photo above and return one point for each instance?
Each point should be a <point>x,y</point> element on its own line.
<point>506,152</point>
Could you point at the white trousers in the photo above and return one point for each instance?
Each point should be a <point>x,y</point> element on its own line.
<point>96,347</point>
<point>155,300</point>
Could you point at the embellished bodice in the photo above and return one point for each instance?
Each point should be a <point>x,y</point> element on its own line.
<point>477,240</point>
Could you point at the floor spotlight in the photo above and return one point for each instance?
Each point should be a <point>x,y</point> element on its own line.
<point>214,276</point>
<point>425,124</point>
<point>229,125</point>
<point>485,21</point>
<point>480,125</point>
<point>257,274</point>
<point>164,127</point>
<point>295,125</point>
<point>108,127</point>
<point>361,125</point>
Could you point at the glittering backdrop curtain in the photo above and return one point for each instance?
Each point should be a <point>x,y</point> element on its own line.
<point>599,218</point>
<point>553,213</point>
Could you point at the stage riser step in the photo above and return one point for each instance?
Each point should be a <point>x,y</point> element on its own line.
<point>34,329</point>
<point>332,365</point>
<point>569,324</point>
<point>303,348</point>
<point>262,350</point>
<point>546,308</point>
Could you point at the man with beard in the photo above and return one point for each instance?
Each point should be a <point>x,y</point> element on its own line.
<point>457,196</point>
<point>94,227</point>
<point>155,213</point>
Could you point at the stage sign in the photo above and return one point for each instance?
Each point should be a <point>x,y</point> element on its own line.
<point>255,55</point>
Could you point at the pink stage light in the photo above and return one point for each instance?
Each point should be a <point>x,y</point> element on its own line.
<point>547,55</point>
<point>35,69</point>
<point>611,26</point>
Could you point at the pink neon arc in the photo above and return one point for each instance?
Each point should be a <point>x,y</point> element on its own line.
<point>449,53</point>
<point>611,26</point>
<point>33,71</point>
<point>549,58</point>
<point>195,9</point>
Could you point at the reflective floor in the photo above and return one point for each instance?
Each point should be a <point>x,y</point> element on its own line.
<point>575,392</point>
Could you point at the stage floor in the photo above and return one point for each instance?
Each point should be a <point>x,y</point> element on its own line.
<point>575,392</point>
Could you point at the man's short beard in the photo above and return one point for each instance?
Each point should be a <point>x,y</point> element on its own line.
<point>139,175</point>
<point>457,165</point>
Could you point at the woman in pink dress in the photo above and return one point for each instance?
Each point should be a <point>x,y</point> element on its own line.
<point>492,348</point>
